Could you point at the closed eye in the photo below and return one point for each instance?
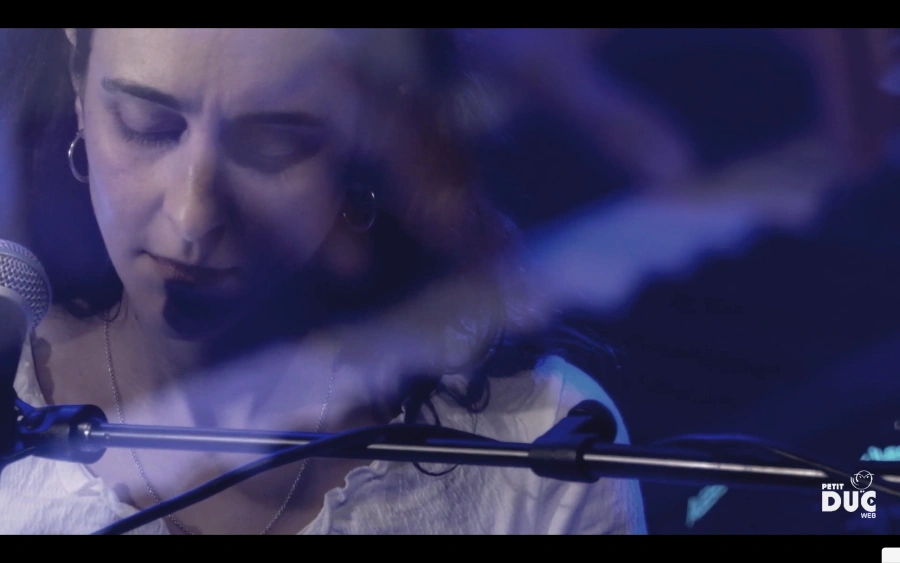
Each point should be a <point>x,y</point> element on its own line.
<point>271,147</point>
<point>153,139</point>
<point>148,126</point>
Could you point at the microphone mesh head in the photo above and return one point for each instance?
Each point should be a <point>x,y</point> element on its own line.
<point>22,273</point>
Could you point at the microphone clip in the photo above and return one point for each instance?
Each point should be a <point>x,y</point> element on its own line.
<point>59,432</point>
<point>559,453</point>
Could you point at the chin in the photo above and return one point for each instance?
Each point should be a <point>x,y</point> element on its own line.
<point>193,313</point>
<point>190,324</point>
<point>197,317</point>
<point>238,321</point>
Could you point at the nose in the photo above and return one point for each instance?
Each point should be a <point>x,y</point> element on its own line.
<point>194,204</point>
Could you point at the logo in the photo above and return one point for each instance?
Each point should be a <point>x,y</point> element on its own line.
<point>861,480</point>
<point>861,500</point>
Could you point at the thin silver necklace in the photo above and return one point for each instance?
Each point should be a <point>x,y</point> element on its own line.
<point>140,468</point>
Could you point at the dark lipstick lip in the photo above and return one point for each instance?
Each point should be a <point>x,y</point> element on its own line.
<point>179,272</point>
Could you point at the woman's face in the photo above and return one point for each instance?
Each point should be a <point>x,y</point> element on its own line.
<point>212,158</point>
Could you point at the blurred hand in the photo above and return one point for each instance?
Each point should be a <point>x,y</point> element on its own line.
<point>601,258</point>
<point>598,260</point>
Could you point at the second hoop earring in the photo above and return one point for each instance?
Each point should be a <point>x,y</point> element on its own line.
<point>83,178</point>
<point>361,208</point>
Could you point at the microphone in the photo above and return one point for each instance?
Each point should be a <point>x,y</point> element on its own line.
<point>24,301</point>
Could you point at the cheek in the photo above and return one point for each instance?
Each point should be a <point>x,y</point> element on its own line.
<point>122,204</point>
<point>291,217</point>
<point>112,204</point>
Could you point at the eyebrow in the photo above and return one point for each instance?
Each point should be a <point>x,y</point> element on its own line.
<point>137,90</point>
<point>143,92</point>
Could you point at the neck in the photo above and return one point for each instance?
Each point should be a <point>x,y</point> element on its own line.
<point>203,382</point>
<point>162,359</point>
<point>170,373</point>
<point>166,360</point>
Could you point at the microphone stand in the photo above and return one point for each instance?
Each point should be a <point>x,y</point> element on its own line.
<point>579,448</point>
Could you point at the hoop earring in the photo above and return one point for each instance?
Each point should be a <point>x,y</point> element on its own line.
<point>362,208</point>
<point>78,176</point>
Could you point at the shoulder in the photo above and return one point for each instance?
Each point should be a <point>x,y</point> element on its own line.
<point>608,506</point>
<point>65,335</point>
<point>572,386</point>
<point>62,326</point>
<point>524,407</point>
<point>541,397</point>
<point>64,353</point>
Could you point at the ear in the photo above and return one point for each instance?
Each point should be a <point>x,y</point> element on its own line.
<point>72,36</point>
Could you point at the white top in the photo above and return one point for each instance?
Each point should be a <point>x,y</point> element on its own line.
<point>39,496</point>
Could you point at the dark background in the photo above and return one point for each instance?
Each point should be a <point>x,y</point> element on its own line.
<point>797,340</point>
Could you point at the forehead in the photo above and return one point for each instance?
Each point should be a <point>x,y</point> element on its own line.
<point>229,67</point>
